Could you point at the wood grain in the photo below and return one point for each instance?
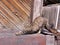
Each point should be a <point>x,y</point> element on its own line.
<point>14,14</point>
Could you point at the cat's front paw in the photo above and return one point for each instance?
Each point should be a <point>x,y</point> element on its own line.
<point>18,33</point>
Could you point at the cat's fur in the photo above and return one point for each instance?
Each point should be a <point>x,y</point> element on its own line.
<point>36,26</point>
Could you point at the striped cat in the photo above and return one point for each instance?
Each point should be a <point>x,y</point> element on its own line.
<point>36,26</point>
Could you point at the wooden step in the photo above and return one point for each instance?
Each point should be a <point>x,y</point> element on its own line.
<point>11,39</point>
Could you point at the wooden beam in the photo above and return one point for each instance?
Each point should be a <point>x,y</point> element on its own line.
<point>37,8</point>
<point>57,17</point>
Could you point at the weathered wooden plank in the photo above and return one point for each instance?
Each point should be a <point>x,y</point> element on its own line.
<point>22,6</point>
<point>16,15</point>
<point>51,13</point>
<point>16,20</point>
<point>37,10</point>
<point>28,2</point>
<point>4,14</point>
<point>23,14</point>
<point>11,39</point>
<point>59,21</point>
<point>13,2</point>
<point>26,5</point>
<point>50,40</point>
<point>9,12</point>
<point>13,10</point>
<point>9,24</point>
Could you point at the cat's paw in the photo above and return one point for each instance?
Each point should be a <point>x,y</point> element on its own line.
<point>18,33</point>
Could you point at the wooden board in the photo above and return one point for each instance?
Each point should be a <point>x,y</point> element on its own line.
<point>35,39</point>
<point>14,14</point>
<point>51,13</point>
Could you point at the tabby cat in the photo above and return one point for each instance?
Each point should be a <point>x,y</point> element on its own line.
<point>42,23</point>
<point>37,26</point>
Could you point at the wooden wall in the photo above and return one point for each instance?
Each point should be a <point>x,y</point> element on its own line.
<point>51,12</point>
<point>13,13</point>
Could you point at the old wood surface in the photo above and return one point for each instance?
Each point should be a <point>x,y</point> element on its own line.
<point>17,15</point>
<point>14,14</point>
<point>37,8</point>
<point>11,39</point>
<point>51,13</point>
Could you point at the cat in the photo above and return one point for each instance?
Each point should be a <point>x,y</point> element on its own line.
<point>36,26</point>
